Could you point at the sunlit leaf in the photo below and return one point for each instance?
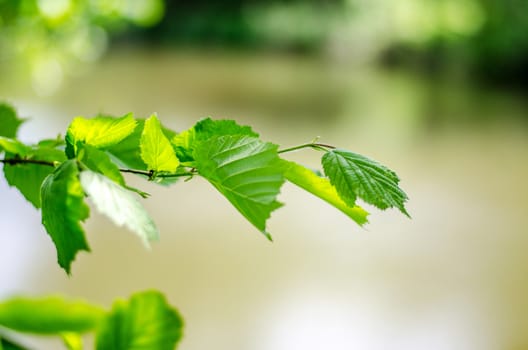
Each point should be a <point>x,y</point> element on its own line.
<point>354,175</point>
<point>100,132</point>
<point>9,121</point>
<point>49,315</point>
<point>28,178</point>
<point>119,204</point>
<point>246,171</point>
<point>156,150</point>
<point>321,187</point>
<point>72,341</point>
<point>145,322</point>
<point>63,209</point>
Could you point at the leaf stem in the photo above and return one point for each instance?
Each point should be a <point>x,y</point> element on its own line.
<point>316,146</point>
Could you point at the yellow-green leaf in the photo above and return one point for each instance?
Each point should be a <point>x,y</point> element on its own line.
<point>156,149</point>
<point>321,187</point>
<point>100,132</point>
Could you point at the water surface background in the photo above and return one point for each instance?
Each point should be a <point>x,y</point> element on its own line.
<point>453,277</point>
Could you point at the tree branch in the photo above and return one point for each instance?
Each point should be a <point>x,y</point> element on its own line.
<point>14,161</point>
<point>150,174</point>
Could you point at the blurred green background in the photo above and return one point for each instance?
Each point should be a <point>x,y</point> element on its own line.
<point>435,89</point>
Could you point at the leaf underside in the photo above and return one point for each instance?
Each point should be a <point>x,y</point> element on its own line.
<point>63,209</point>
<point>246,171</point>
<point>354,175</point>
<point>119,204</point>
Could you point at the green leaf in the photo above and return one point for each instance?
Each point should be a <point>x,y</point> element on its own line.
<point>12,146</point>
<point>127,152</point>
<point>63,209</point>
<point>321,187</point>
<point>208,128</point>
<point>50,315</point>
<point>156,150</point>
<point>100,132</point>
<point>354,175</point>
<point>119,204</point>
<point>246,171</point>
<point>9,121</point>
<point>185,142</point>
<point>52,143</point>
<point>100,162</point>
<point>146,322</point>
<point>28,178</point>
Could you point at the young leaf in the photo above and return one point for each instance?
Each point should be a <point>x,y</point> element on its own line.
<point>246,171</point>
<point>50,315</point>
<point>28,178</point>
<point>100,132</point>
<point>354,175</point>
<point>63,209</point>
<point>119,204</point>
<point>321,187</point>
<point>9,121</point>
<point>156,150</point>
<point>127,152</point>
<point>72,341</point>
<point>146,322</point>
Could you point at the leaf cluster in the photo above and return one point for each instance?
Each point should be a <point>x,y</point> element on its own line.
<point>144,322</point>
<point>58,175</point>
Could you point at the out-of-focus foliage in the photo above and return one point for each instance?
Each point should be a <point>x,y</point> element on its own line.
<point>292,24</point>
<point>487,36</point>
<point>46,40</point>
